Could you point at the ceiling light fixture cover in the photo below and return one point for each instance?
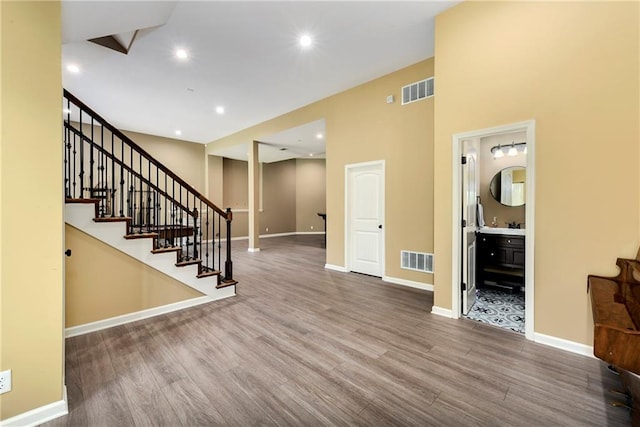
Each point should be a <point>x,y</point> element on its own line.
<point>178,132</point>
<point>220,110</point>
<point>305,40</point>
<point>181,54</point>
<point>73,68</point>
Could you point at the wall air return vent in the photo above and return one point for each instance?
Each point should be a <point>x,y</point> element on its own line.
<point>417,91</point>
<point>417,261</point>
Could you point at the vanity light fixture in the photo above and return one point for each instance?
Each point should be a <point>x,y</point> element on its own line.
<point>513,149</point>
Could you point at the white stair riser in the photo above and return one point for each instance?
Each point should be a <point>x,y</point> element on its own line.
<point>80,216</point>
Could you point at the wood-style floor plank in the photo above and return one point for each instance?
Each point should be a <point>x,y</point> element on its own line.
<point>304,346</point>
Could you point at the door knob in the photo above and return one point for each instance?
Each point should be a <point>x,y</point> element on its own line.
<point>380,226</point>
<point>67,252</point>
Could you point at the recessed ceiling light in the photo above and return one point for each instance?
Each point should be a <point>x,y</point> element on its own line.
<point>73,68</point>
<point>319,135</point>
<point>220,109</point>
<point>181,54</point>
<point>305,40</point>
<point>310,154</point>
<point>178,132</point>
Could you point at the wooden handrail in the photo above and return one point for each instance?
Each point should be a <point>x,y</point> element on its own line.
<point>143,152</point>
<point>127,168</point>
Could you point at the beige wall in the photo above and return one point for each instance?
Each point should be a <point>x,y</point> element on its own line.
<point>278,197</point>
<point>573,67</point>
<point>31,234</point>
<point>236,183</point>
<point>185,159</point>
<point>488,168</point>
<point>130,286</point>
<point>360,127</point>
<point>236,194</point>
<point>216,180</point>
<point>310,194</point>
<point>293,193</point>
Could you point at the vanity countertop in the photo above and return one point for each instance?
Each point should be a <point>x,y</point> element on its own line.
<point>506,231</point>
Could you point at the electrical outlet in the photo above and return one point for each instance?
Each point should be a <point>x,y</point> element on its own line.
<point>312,227</point>
<point>5,381</point>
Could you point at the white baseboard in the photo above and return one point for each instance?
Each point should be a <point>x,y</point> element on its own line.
<point>40,415</point>
<point>336,268</point>
<point>139,315</point>
<point>266,236</point>
<point>562,344</point>
<point>444,312</point>
<point>409,283</point>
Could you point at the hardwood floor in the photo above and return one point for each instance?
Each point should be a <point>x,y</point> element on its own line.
<point>305,346</point>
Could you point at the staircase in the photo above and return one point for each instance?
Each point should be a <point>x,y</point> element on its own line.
<point>117,192</point>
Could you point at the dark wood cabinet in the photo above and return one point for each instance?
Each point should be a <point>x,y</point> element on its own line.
<point>500,261</point>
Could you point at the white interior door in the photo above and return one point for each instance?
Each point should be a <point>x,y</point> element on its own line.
<point>365,198</point>
<point>470,180</point>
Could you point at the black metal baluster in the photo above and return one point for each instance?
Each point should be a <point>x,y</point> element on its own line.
<point>81,158</point>
<point>206,237</point>
<point>220,241</point>
<point>141,209</point>
<point>121,174</point>
<point>67,159</point>
<point>156,204</point>
<point>91,166</point>
<point>181,225</point>
<point>130,201</point>
<point>148,207</point>
<point>74,165</point>
<point>166,229</point>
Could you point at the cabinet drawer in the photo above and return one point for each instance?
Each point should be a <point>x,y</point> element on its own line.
<point>511,241</point>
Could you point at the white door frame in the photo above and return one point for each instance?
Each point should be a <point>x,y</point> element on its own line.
<point>529,127</point>
<point>347,213</point>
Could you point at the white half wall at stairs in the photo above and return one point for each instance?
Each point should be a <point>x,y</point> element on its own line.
<point>80,216</point>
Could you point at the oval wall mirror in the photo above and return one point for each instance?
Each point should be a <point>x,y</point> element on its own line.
<point>508,186</point>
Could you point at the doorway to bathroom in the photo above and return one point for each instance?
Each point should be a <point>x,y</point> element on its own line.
<point>493,224</point>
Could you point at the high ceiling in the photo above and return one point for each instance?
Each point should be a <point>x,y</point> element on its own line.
<point>242,56</point>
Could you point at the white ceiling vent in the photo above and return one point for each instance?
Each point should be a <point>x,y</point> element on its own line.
<point>417,261</point>
<point>417,91</point>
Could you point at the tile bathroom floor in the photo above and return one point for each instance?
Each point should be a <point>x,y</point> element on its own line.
<point>498,308</point>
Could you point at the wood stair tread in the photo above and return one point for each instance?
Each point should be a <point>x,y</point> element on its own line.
<point>189,262</point>
<point>226,283</point>
<point>86,201</point>
<point>112,219</point>
<point>165,250</point>
<point>141,236</point>
<point>208,274</point>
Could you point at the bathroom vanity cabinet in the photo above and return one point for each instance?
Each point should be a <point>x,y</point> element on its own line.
<point>500,261</point>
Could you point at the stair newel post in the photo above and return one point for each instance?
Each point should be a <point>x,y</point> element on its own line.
<point>228,264</point>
